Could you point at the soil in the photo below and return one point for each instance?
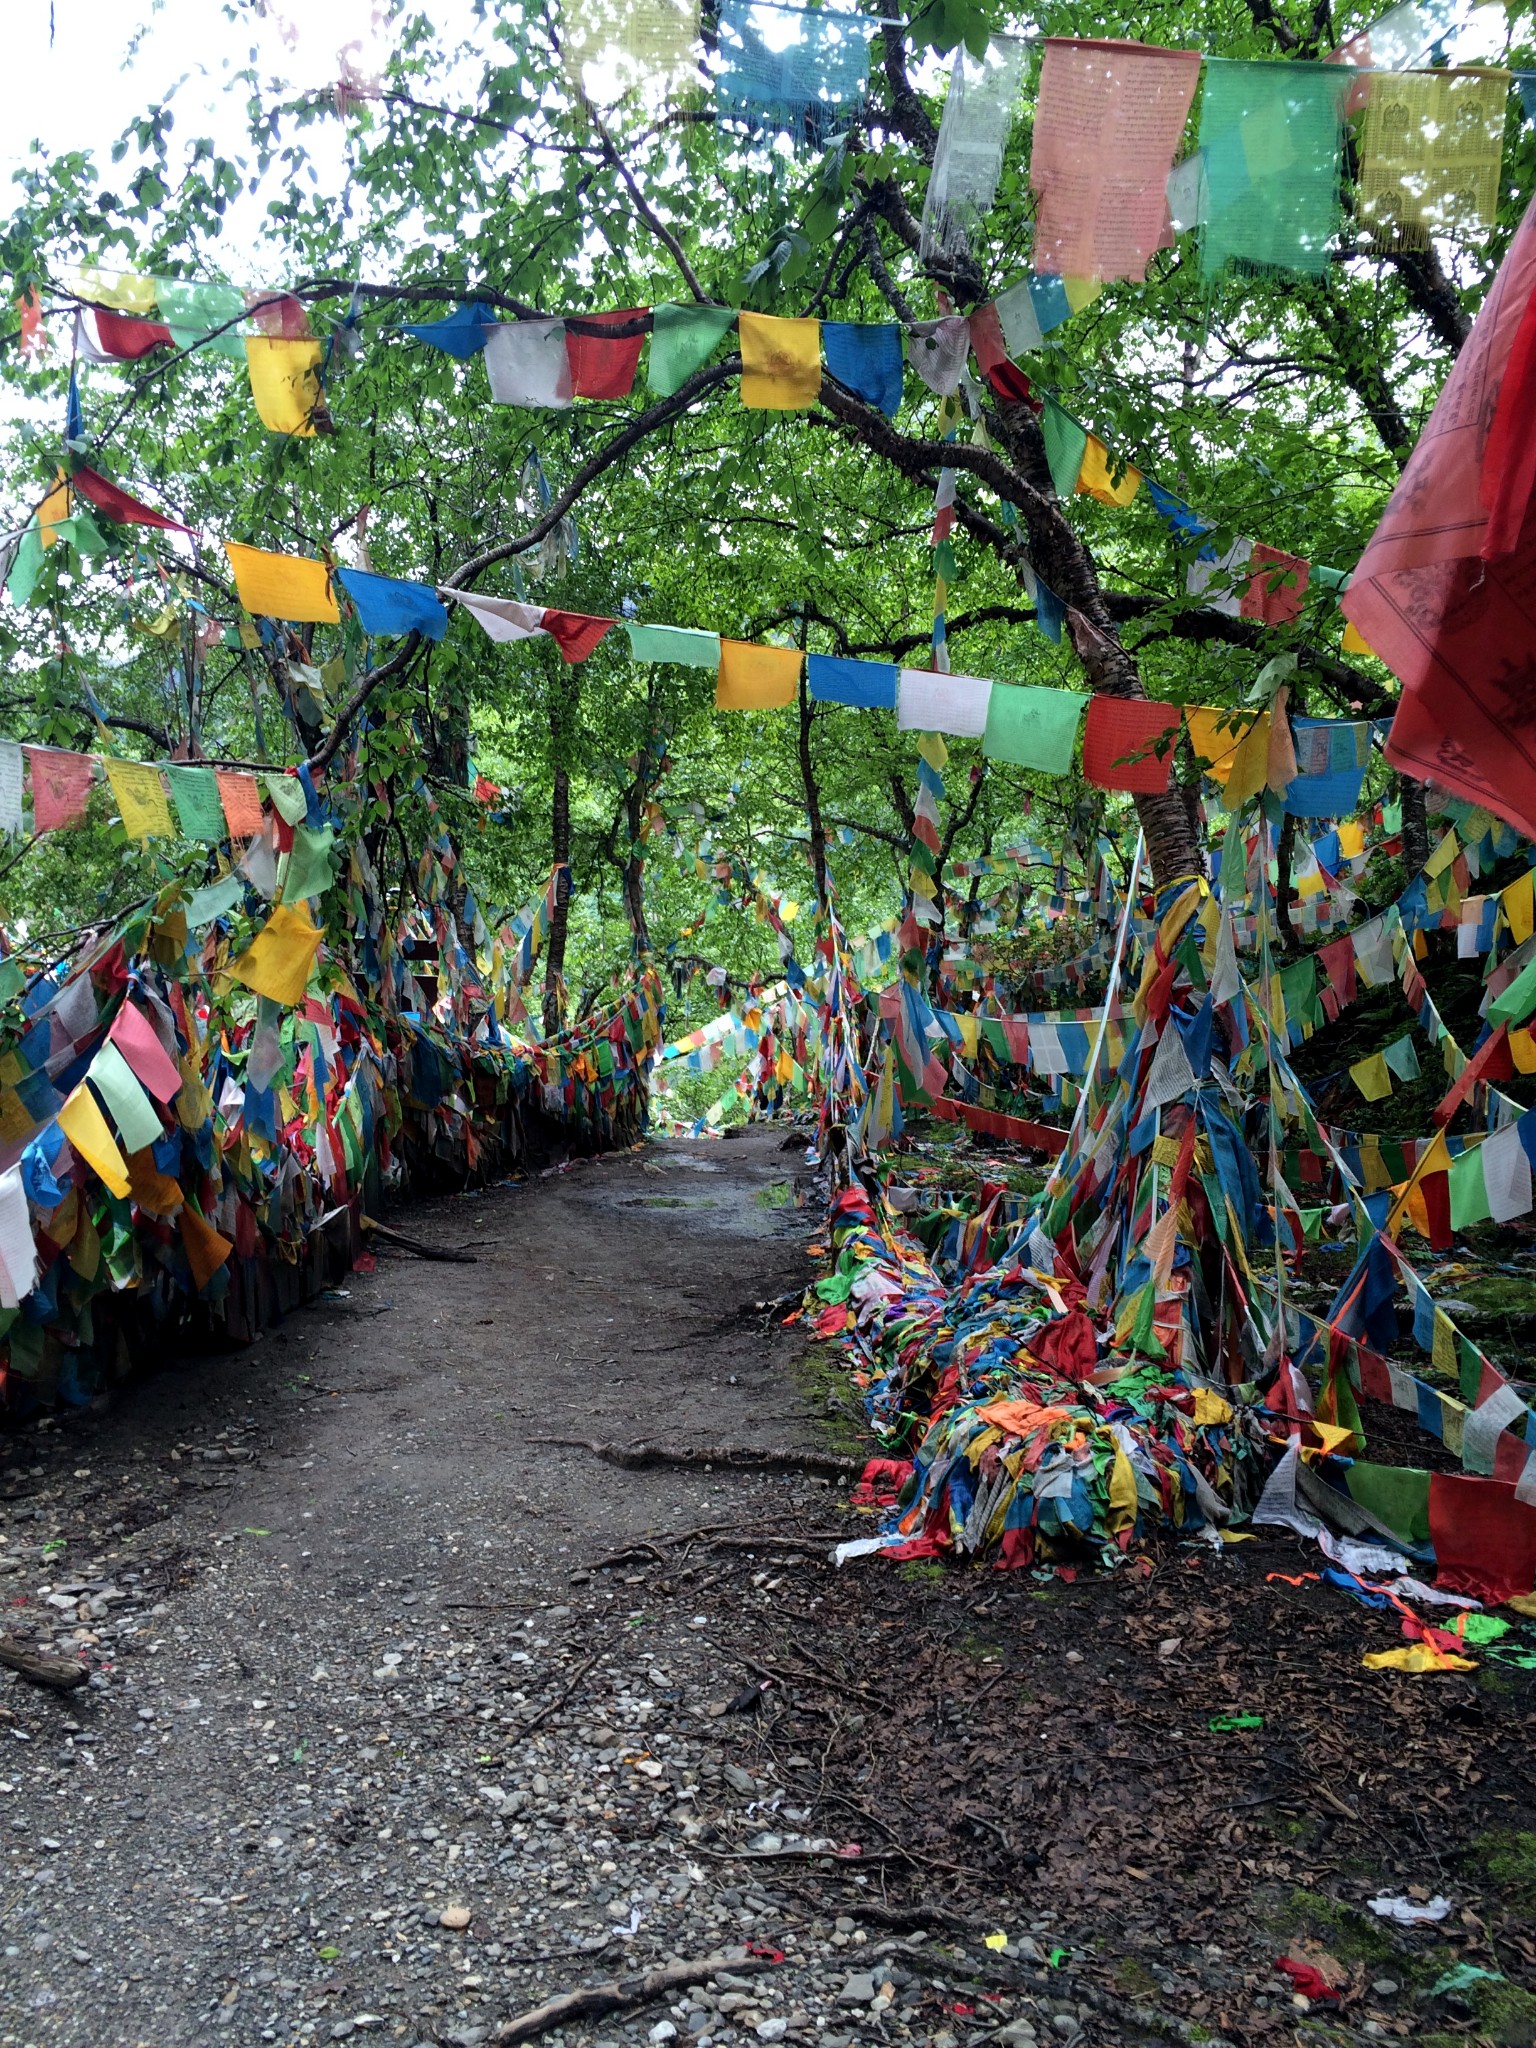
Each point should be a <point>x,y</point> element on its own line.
<point>403,1720</point>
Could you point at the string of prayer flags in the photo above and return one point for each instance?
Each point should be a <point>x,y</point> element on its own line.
<point>1251,581</point>
<point>867,359</point>
<point>604,365</point>
<point>1331,759</point>
<point>1033,727</point>
<point>931,701</point>
<point>780,362</point>
<point>1107,126</point>
<point>1270,137</point>
<point>973,136</point>
<point>754,678</point>
<point>285,383</point>
<point>1128,743</point>
<point>686,645</point>
<point>388,604</point>
<point>528,363</point>
<point>1431,149</point>
<point>282,586</point>
<point>104,337</point>
<point>612,49</point>
<point>867,685</point>
<point>683,338</point>
<point>802,72</point>
<point>1442,590</point>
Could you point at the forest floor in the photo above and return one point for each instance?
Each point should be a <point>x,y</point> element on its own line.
<point>379,1744</point>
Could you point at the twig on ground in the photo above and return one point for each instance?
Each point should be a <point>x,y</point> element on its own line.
<point>440,1253</point>
<point>619,1993</point>
<point>634,1457</point>
<point>555,1705</point>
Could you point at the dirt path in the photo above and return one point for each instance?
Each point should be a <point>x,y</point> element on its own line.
<point>383,1748</point>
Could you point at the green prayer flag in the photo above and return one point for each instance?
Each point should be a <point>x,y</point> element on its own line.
<point>311,864</point>
<point>114,1080</point>
<point>26,565</point>
<point>992,1030</point>
<point>1270,134</point>
<point>1033,727</point>
<point>683,338</point>
<point>1397,1495</point>
<point>1066,443</point>
<point>1517,1001</point>
<point>1401,1057</point>
<point>1469,1191</point>
<point>191,310</point>
<point>82,534</point>
<point>288,798</point>
<point>686,645</point>
<point>218,899</point>
<point>195,793</point>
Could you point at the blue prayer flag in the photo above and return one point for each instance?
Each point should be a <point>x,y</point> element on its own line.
<point>867,359</point>
<point>387,605</point>
<point>870,685</point>
<point>462,333</point>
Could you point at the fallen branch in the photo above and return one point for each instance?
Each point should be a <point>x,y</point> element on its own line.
<point>634,1457</point>
<point>63,1674</point>
<point>555,1705</point>
<point>417,1247</point>
<point>620,1993</point>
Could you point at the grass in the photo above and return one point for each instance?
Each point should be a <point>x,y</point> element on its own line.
<point>777,1195</point>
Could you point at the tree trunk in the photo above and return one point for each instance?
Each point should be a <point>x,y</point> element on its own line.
<point>1415,824</point>
<point>560,850</point>
<point>634,870</point>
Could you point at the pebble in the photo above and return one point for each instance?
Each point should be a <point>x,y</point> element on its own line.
<point>859,1989</point>
<point>1385,1987</point>
<point>663,2031</point>
<point>456,1917</point>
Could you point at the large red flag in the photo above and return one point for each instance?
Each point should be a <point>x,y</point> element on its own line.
<point>114,503</point>
<point>1446,591</point>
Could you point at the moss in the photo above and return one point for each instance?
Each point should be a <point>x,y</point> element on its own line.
<point>1508,1860</point>
<point>922,1571</point>
<point>1196,2032</point>
<point>777,1195</point>
<point>1350,1935</point>
<point>979,1648</point>
<point>1504,2012</point>
<point>826,1390</point>
<point>1134,1980</point>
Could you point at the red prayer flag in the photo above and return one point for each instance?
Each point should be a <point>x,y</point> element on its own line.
<point>1119,728</point>
<point>278,315</point>
<point>575,634</point>
<point>61,787</point>
<point>1004,376</point>
<point>116,504</point>
<point>134,1036</point>
<point>603,367</point>
<point>1484,1537</point>
<point>1277,583</point>
<point>1446,591</point>
<point>241,798</point>
<point>125,338</point>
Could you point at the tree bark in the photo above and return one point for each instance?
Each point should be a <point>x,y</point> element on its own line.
<point>812,790</point>
<point>560,850</point>
<point>634,867</point>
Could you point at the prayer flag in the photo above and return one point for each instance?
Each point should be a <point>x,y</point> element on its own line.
<point>780,362</point>
<point>604,365</point>
<point>203,315</point>
<point>1033,727</point>
<point>503,618</point>
<point>574,633</point>
<point>1017,318</point>
<point>18,1248</point>
<point>388,604</point>
<point>527,363</point>
<point>973,135</point>
<point>87,1130</point>
<point>195,792</point>
<point>134,1036</point>
<point>240,795</point>
<point>683,338</point>
<point>793,69</point>
<point>12,785</point>
<point>118,337</point>
<point>1371,1077</point>
<point>1108,122</point>
<point>938,350</point>
<point>1270,136</point>
<point>930,701</point>
<point>686,645</point>
<point>61,787</point>
<point>285,382</point>
<point>206,1248</point>
<point>1277,583</point>
<point>116,504</point>
<point>1103,479</point>
<point>871,685</point>
<point>278,960</point>
<point>461,333</point>
<point>867,359</point>
<point>1431,148</point>
<point>1128,744</point>
<point>138,1122</point>
<point>1066,443</point>
<point>140,798</point>
<point>282,586</point>
<point>755,678</point>
<point>1444,590</point>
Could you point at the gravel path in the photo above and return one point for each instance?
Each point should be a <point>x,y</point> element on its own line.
<point>372,1747</point>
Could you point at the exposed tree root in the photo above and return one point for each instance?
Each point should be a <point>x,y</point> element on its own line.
<point>730,1457</point>
<point>619,1993</point>
<point>63,1674</point>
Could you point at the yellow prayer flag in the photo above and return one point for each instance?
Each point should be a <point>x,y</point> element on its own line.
<point>1250,767</point>
<point>276,964</point>
<point>1096,477</point>
<point>754,678</point>
<point>933,750</point>
<point>970,1032</point>
<point>780,362</point>
<point>1351,839</point>
<point>1522,1050</point>
<point>282,586</point>
<point>1517,901</point>
<point>1372,1077</point>
<point>1081,291</point>
<point>1215,736</point>
<point>1443,854</point>
<point>1354,642</point>
<point>206,1248</point>
<point>140,794</point>
<point>53,510</point>
<point>284,382</point>
<point>86,1128</point>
